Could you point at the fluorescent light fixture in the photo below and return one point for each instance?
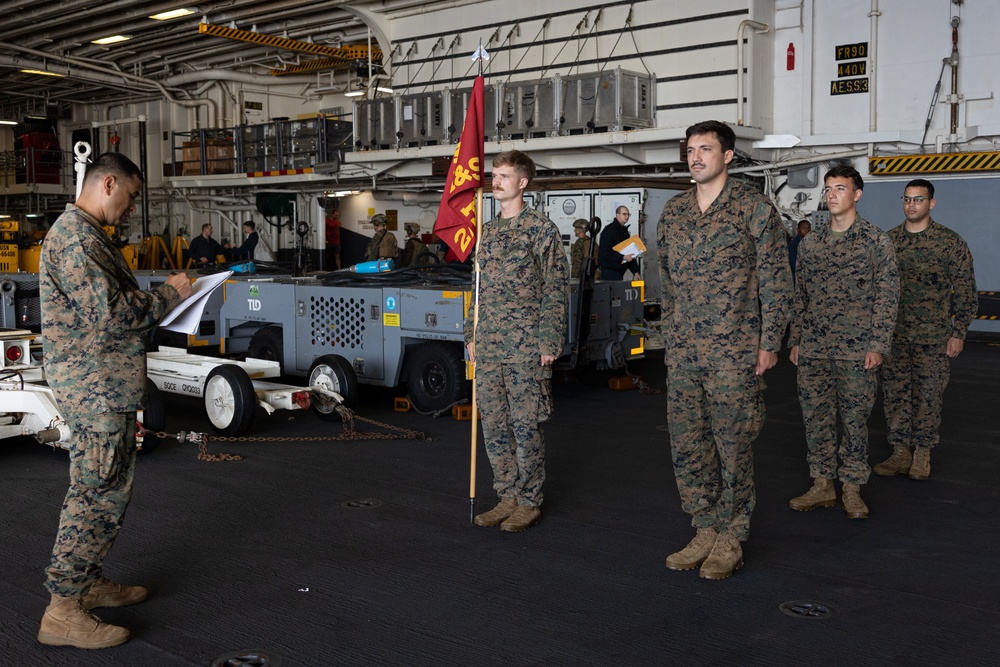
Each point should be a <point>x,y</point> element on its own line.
<point>8,122</point>
<point>172,14</point>
<point>35,215</point>
<point>113,39</point>
<point>354,93</point>
<point>42,72</point>
<point>382,89</point>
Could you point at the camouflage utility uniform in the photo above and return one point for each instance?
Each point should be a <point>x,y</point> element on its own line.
<point>845,306</point>
<point>935,271</point>
<point>413,248</point>
<point>577,253</point>
<point>382,246</point>
<point>522,316</point>
<point>93,320</point>
<point>726,295</point>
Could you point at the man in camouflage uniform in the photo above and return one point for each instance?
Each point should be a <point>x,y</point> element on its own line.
<point>523,292</point>
<point>578,251</point>
<point>937,301</point>
<point>726,301</point>
<point>846,290</point>
<point>414,246</point>
<point>383,244</point>
<point>94,318</point>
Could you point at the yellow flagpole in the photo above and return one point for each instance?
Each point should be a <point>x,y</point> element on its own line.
<point>475,326</point>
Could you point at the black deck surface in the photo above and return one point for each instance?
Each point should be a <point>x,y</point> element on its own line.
<point>284,554</point>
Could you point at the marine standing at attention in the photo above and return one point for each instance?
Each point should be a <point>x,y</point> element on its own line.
<point>94,320</point>
<point>523,296</point>
<point>937,301</point>
<point>846,289</point>
<point>726,301</point>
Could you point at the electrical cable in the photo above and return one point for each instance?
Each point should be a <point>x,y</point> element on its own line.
<point>427,274</point>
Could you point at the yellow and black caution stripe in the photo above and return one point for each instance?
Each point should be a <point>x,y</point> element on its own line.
<point>934,163</point>
<point>989,306</point>
<point>336,56</point>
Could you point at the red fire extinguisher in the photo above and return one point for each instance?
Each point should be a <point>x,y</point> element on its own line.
<point>790,57</point>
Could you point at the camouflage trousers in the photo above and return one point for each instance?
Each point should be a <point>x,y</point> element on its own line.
<point>828,387</point>
<point>914,378</point>
<point>101,468</point>
<point>713,417</point>
<point>514,399</point>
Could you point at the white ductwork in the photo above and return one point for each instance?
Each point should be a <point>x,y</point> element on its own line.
<point>200,76</point>
<point>60,65</point>
<point>416,198</point>
<point>758,28</point>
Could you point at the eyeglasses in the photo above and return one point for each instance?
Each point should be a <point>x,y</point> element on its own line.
<point>626,215</point>
<point>913,200</point>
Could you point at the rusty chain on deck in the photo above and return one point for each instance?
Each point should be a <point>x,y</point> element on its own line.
<point>350,432</point>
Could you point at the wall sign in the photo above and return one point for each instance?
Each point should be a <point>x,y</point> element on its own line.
<point>851,51</point>
<point>853,68</point>
<point>849,86</point>
<point>850,75</point>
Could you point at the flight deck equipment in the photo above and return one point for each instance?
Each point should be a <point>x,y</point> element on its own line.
<point>405,327</point>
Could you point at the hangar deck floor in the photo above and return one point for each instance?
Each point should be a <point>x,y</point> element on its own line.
<point>276,555</point>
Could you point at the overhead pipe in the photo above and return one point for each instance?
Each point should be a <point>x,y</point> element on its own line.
<point>203,75</point>
<point>28,11</point>
<point>417,198</point>
<point>758,28</point>
<point>873,74</point>
<point>108,76</point>
<point>953,61</point>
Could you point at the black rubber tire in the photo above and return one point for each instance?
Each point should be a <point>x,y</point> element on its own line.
<point>268,344</point>
<point>336,374</point>
<point>154,417</point>
<point>230,400</point>
<point>436,376</point>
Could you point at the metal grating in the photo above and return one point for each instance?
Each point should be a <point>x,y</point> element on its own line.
<point>807,609</point>
<point>337,322</point>
<point>248,659</point>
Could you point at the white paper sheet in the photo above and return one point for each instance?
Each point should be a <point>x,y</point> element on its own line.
<point>186,316</point>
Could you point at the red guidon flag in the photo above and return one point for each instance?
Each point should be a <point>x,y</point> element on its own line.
<point>456,218</point>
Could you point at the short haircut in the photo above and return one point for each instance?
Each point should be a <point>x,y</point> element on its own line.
<point>921,183</point>
<point>845,171</point>
<point>621,208</point>
<point>113,164</point>
<point>722,132</point>
<point>522,164</point>
<point>251,224</point>
<point>206,226</point>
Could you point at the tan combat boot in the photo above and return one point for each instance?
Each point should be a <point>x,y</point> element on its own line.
<point>726,558</point>
<point>921,468</point>
<point>497,514</point>
<point>695,553</point>
<point>525,516</point>
<point>897,464</point>
<point>67,623</point>
<point>107,593</point>
<point>821,494</point>
<point>853,505</point>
